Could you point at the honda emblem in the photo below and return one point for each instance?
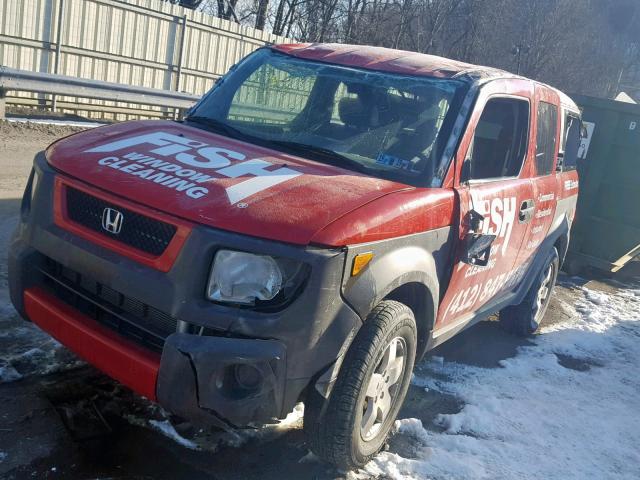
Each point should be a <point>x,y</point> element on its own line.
<point>112,220</point>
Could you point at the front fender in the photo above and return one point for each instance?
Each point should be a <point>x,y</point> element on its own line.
<point>419,258</point>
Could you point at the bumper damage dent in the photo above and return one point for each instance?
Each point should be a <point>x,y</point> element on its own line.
<point>226,382</point>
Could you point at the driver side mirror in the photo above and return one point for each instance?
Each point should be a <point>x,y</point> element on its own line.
<point>478,249</point>
<point>477,246</point>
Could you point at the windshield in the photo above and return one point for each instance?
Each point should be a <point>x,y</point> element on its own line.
<point>385,125</point>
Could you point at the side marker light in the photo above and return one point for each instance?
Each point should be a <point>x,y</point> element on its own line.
<point>360,261</point>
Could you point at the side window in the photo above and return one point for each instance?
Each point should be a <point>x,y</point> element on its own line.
<point>546,137</point>
<point>571,143</point>
<point>500,140</point>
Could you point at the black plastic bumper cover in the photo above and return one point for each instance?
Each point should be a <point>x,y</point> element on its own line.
<point>196,379</point>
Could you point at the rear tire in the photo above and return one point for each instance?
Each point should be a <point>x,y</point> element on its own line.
<point>368,392</point>
<point>524,319</point>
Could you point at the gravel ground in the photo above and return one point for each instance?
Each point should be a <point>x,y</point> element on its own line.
<point>60,418</point>
<point>19,142</point>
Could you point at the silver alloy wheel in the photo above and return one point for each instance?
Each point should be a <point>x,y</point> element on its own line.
<point>543,292</point>
<point>382,388</point>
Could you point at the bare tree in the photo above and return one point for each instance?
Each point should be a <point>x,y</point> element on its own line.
<point>583,46</point>
<point>261,14</point>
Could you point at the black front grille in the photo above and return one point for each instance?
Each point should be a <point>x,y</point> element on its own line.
<point>137,231</point>
<point>128,316</point>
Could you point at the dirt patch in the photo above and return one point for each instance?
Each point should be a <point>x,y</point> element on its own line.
<point>19,143</point>
<point>14,130</point>
<point>577,364</point>
<point>426,405</point>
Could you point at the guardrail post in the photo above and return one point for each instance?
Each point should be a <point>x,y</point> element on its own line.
<point>183,34</point>
<point>56,61</point>
<point>3,104</point>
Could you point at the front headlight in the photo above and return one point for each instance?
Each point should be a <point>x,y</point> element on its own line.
<point>241,277</point>
<point>251,279</point>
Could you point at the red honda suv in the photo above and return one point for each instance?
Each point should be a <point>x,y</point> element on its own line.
<point>324,216</point>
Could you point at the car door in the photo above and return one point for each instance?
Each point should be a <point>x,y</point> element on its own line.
<point>495,194</point>
<point>544,175</point>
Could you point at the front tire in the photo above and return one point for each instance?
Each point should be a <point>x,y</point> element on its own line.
<point>524,319</point>
<point>368,392</point>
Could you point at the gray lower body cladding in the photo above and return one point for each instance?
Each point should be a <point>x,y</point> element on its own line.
<point>282,350</point>
<point>224,381</point>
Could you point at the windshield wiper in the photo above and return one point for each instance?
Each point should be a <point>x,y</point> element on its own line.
<point>330,156</point>
<point>216,125</point>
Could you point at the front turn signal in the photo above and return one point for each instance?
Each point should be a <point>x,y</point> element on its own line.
<point>360,261</point>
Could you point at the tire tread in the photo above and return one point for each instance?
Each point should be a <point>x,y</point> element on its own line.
<point>516,319</point>
<point>330,437</point>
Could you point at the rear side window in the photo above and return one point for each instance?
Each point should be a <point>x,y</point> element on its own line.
<point>546,137</point>
<point>500,140</point>
<point>571,143</point>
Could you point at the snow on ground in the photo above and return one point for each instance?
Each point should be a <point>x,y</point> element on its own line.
<point>564,408</point>
<point>26,350</point>
<point>168,430</point>
<point>9,374</point>
<point>213,440</point>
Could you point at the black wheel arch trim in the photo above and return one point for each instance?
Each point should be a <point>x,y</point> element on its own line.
<point>386,276</point>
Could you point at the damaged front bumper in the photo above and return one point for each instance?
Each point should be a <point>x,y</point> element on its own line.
<point>227,381</point>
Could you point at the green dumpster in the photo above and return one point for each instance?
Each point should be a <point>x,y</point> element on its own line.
<point>606,231</point>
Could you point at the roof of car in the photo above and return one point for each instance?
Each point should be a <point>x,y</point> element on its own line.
<point>388,60</point>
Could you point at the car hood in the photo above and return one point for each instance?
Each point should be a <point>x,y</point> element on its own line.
<point>214,180</point>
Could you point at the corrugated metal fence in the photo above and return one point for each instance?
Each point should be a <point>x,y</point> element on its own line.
<point>148,43</point>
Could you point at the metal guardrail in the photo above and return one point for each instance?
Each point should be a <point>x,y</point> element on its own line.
<point>26,81</point>
<point>152,43</point>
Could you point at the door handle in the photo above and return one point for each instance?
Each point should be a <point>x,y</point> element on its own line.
<point>527,207</point>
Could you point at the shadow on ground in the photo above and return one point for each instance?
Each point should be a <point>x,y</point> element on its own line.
<point>483,345</point>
